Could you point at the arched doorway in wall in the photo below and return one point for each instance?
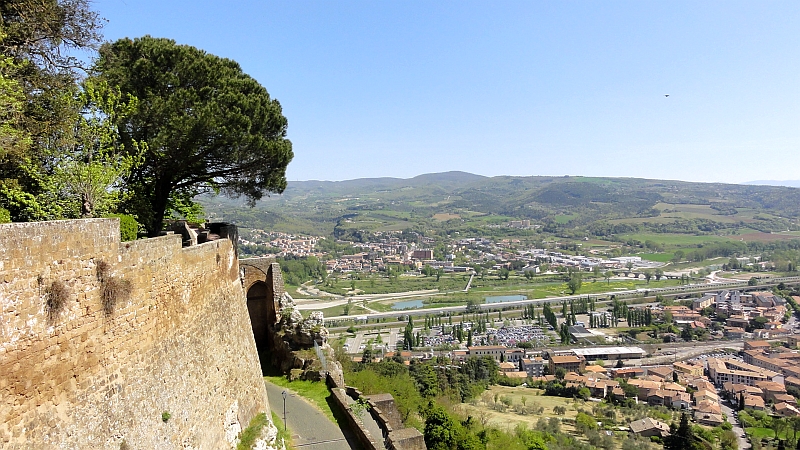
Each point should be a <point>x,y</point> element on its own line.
<point>258,308</point>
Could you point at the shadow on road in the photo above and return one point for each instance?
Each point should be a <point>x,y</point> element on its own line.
<point>341,421</point>
<point>340,418</point>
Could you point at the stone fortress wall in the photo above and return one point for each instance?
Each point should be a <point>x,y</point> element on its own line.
<point>109,345</point>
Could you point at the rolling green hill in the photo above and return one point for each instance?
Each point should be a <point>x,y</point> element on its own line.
<point>456,201</point>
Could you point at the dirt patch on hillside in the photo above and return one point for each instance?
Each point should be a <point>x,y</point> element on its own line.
<point>442,217</point>
<point>764,237</point>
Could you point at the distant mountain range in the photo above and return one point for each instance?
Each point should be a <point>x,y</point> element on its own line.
<point>469,200</point>
<point>787,183</point>
<point>445,180</point>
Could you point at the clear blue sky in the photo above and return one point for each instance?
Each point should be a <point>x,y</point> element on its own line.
<point>401,88</point>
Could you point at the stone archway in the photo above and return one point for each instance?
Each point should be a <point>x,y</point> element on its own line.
<point>258,305</point>
<point>263,286</point>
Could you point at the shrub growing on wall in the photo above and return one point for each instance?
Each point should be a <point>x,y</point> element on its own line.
<point>114,291</point>
<point>102,269</point>
<point>57,295</point>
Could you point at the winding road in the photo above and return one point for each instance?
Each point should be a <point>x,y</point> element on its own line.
<point>310,428</point>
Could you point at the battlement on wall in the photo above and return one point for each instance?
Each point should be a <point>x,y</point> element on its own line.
<point>99,338</point>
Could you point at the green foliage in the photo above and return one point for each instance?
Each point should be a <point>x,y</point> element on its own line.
<point>408,335</point>
<point>38,86</point>
<point>89,172</point>
<point>45,33</point>
<point>128,227</point>
<point>441,430</point>
<point>335,249</point>
<point>5,215</point>
<point>247,439</point>
<point>585,422</point>
<point>298,270</point>
<point>165,416</point>
<point>79,175</point>
<point>574,283</point>
<point>360,407</point>
<point>13,139</point>
<point>183,206</point>
<point>284,436</point>
<point>315,391</point>
<point>392,377</point>
<point>683,437</point>
<point>208,126</point>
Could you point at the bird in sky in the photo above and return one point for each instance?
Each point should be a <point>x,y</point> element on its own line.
<point>666,95</point>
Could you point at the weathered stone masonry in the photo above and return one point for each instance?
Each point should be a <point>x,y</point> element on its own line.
<point>87,377</point>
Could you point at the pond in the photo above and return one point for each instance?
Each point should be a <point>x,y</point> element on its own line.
<point>505,298</point>
<point>408,304</point>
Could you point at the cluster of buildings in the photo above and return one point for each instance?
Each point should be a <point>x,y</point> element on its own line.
<point>679,386</point>
<point>390,248</point>
<point>759,313</point>
<point>287,244</point>
<point>759,380</point>
<point>533,363</point>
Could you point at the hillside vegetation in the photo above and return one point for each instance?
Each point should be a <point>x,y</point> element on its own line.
<point>565,206</point>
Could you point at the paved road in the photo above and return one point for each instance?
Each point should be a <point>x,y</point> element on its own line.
<point>310,428</point>
<point>304,303</point>
<point>737,428</point>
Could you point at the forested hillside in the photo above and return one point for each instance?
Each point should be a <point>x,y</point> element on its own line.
<point>561,205</point>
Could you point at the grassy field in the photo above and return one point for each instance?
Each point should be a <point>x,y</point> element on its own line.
<point>671,212</point>
<point>482,409</point>
<point>658,257</point>
<point>442,217</point>
<point>486,411</point>
<point>675,239</point>
<point>564,218</point>
<point>758,236</point>
<point>758,433</point>
<point>488,287</point>
<point>339,311</point>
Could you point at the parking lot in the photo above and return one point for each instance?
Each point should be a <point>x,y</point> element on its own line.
<point>387,342</point>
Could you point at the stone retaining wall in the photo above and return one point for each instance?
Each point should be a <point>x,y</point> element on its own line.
<point>172,363</point>
<point>384,411</point>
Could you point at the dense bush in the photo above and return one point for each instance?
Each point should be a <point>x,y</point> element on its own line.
<point>128,227</point>
<point>298,270</point>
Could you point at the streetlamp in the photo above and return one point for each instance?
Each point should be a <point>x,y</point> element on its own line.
<point>284,409</point>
